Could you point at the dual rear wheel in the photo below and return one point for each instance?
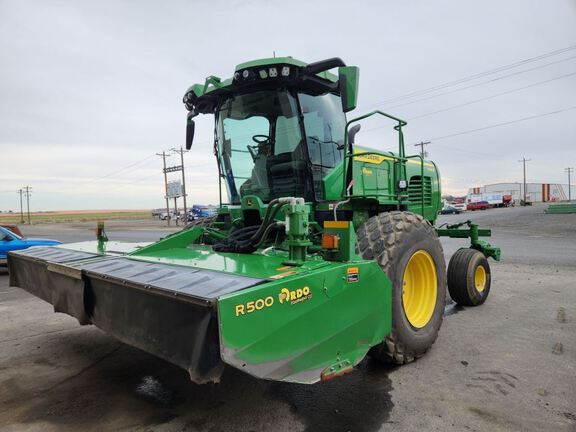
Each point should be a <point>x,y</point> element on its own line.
<point>408,250</point>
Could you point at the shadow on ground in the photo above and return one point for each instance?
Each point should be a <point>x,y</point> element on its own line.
<point>126,388</point>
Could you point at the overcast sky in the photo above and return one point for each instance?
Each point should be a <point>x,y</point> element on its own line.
<point>90,91</point>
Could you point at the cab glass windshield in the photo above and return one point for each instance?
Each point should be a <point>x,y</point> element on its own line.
<point>260,146</point>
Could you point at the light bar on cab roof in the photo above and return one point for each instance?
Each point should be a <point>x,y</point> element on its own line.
<point>265,73</point>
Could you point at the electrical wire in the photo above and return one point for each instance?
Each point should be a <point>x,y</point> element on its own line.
<point>477,75</point>
<point>476,84</point>
<point>479,100</point>
<point>492,96</point>
<point>502,124</point>
<point>121,169</point>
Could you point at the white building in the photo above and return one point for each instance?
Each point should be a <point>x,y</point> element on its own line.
<point>535,192</point>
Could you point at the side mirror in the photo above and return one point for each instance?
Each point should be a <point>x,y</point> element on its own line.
<point>352,134</point>
<point>189,132</point>
<point>348,78</point>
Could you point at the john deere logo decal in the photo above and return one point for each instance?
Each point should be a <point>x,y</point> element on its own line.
<point>294,296</point>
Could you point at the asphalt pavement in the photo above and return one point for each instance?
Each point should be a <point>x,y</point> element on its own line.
<point>507,365</point>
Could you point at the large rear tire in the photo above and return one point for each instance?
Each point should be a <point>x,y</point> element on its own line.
<point>407,248</point>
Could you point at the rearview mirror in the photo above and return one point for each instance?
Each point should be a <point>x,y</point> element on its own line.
<point>189,132</point>
<point>348,77</point>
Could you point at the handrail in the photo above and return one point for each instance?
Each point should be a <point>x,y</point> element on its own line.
<point>350,151</point>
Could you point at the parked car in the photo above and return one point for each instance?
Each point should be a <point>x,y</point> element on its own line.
<point>10,241</point>
<point>480,205</point>
<point>450,210</point>
<point>173,216</point>
<point>459,206</point>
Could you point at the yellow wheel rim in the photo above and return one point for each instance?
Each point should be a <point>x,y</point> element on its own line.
<point>480,278</point>
<point>419,290</point>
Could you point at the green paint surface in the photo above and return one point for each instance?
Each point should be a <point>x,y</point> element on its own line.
<point>296,340</point>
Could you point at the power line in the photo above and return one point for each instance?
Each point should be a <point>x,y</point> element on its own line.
<point>476,84</point>
<point>477,75</point>
<point>21,192</point>
<point>492,96</point>
<point>181,152</point>
<point>113,173</point>
<point>26,190</point>
<point>480,100</point>
<point>422,144</point>
<point>503,124</point>
<point>120,170</point>
<point>163,155</point>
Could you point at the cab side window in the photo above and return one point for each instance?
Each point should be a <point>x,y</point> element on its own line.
<point>325,125</point>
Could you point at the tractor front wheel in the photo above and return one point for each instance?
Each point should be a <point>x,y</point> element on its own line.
<point>408,251</point>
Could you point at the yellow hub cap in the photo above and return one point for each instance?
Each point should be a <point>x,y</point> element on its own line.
<point>420,287</point>
<point>480,278</point>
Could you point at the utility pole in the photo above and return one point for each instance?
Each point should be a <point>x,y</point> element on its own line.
<point>524,160</point>
<point>163,154</point>
<point>21,192</point>
<point>422,144</point>
<point>569,171</point>
<point>181,151</point>
<point>27,190</point>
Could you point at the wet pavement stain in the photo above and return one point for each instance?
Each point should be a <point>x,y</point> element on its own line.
<point>357,402</point>
<point>153,390</point>
<point>125,388</point>
<point>453,309</point>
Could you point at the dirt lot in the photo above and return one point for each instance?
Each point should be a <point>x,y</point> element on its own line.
<point>74,216</point>
<point>508,365</point>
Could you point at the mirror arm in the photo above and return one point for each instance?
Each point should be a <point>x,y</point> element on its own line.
<point>190,126</point>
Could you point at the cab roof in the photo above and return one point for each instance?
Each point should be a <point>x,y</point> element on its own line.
<point>267,73</point>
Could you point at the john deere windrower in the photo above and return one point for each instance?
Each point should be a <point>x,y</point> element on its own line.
<point>322,251</point>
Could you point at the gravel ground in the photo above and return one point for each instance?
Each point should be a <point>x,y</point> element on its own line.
<point>508,365</point>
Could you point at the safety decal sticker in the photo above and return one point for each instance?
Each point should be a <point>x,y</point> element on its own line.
<point>352,274</point>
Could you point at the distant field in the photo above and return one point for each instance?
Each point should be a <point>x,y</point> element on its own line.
<point>76,216</point>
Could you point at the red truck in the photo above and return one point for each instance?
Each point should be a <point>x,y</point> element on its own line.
<point>480,205</point>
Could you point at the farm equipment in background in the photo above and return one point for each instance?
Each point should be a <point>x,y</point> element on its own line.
<point>201,211</point>
<point>321,251</point>
<point>493,199</point>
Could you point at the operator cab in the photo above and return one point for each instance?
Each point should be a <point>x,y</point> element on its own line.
<point>276,143</point>
<point>280,125</point>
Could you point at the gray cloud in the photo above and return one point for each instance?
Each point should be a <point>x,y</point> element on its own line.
<point>87,88</point>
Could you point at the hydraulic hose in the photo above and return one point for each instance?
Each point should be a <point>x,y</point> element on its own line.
<point>248,239</point>
<point>267,223</point>
<point>267,233</point>
<point>271,212</point>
